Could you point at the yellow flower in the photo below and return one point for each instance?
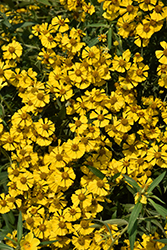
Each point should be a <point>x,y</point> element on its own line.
<point>121,63</point>
<point>6,204</point>
<point>44,128</point>
<point>89,8</point>
<point>60,24</point>
<point>74,148</point>
<point>102,118</point>
<point>162,54</point>
<point>92,55</point>
<point>128,10</point>
<point>81,242</point>
<point>159,12</point>
<point>29,242</point>
<point>139,72</point>
<point>80,125</point>
<point>12,50</point>
<point>145,30</point>
<point>99,187</point>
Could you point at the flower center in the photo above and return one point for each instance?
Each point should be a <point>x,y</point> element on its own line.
<point>40,96</point>
<point>3,203</point>
<point>113,100</point>
<point>100,183</point>
<point>62,224</point>
<point>122,63</point>
<point>72,211</point>
<point>81,197</point>
<point>75,147</point>
<point>84,224</point>
<point>146,28</point>
<point>61,22</point>
<point>139,72</point>
<point>45,126</point>
<point>42,227</point>
<point>95,74</point>
<point>11,49</point>
<point>50,38</point>
<point>65,175</point>
<point>91,54</point>
<point>78,72</point>
<point>16,172</point>
<point>158,8</point>
<point>91,129</point>
<point>62,91</point>
<point>100,117</point>
<point>146,1</point>
<point>10,140</point>
<point>157,155</point>
<point>124,121</point>
<point>43,176</point>
<point>78,123</point>
<point>59,157</point>
<point>81,240</point>
<point>1,72</point>
<point>125,25</point>
<point>73,41</point>
<point>23,180</point>
<point>27,245</point>
<point>140,161</point>
<point>129,8</point>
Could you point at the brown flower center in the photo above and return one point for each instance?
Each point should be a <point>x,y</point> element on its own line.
<point>75,147</point>
<point>78,72</point>
<point>91,54</point>
<point>140,161</point>
<point>158,8</point>
<point>122,63</point>
<point>95,74</point>
<point>125,25</point>
<point>100,117</point>
<point>129,8</point>
<point>43,176</point>
<point>157,155</point>
<point>62,224</point>
<point>50,38</point>
<point>126,163</point>
<point>139,72</point>
<point>72,211</point>
<point>40,96</point>
<point>45,126</point>
<point>100,183</point>
<point>10,140</point>
<point>3,203</point>
<point>78,123</point>
<point>23,180</point>
<point>73,41</point>
<point>61,22</point>
<point>113,100</point>
<point>11,49</point>
<point>84,224</point>
<point>124,121</point>
<point>59,157</point>
<point>16,172</point>
<point>42,227</point>
<point>81,197</point>
<point>65,175</point>
<point>81,240</point>
<point>146,28</point>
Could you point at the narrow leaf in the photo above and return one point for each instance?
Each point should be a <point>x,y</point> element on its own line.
<point>19,227</point>
<point>96,171</point>
<point>162,241</point>
<point>155,197</point>
<point>45,2</point>
<point>3,246</point>
<point>133,217</point>
<point>109,38</point>
<point>97,25</point>
<point>155,222</point>
<point>132,235</point>
<point>132,182</point>
<point>161,210</point>
<point>6,21</point>
<point>156,182</point>
<point>119,222</point>
<point>93,42</point>
<point>47,242</point>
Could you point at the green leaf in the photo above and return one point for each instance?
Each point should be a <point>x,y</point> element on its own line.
<point>3,246</point>
<point>109,38</point>
<point>22,25</point>
<point>19,227</point>
<point>133,217</point>
<point>155,222</point>
<point>132,235</point>
<point>11,239</point>
<point>6,21</point>
<point>47,242</point>
<point>96,171</point>
<point>156,182</point>
<point>119,222</point>
<point>155,197</point>
<point>162,241</point>
<point>45,2</point>
<point>161,210</point>
<point>97,25</point>
<point>93,42</point>
<point>132,182</point>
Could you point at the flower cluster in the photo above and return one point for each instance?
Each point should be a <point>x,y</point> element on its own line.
<point>85,117</point>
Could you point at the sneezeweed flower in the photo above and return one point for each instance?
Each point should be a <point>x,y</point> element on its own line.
<point>145,30</point>
<point>72,213</point>
<point>159,12</point>
<point>12,50</point>
<point>10,140</point>
<point>147,5</point>
<point>81,197</point>
<point>24,181</point>
<point>157,155</point>
<point>6,203</point>
<point>47,56</point>
<point>121,63</point>
<point>78,73</point>
<point>48,41</point>
<point>40,99</point>
<point>88,8</point>
<point>64,178</point>
<point>80,125</point>
<point>21,118</point>
<point>123,124</point>
<point>102,37</point>
<point>126,28</point>
<point>128,10</point>
<point>74,148</point>
<point>91,55</point>
<point>5,74</point>
<point>102,118</point>
<point>60,226</point>
<point>139,72</point>
<point>29,242</point>
<point>81,242</point>
<point>60,24</point>
<point>99,187</point>
<point>162,54</point>
<point>44,127</point>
